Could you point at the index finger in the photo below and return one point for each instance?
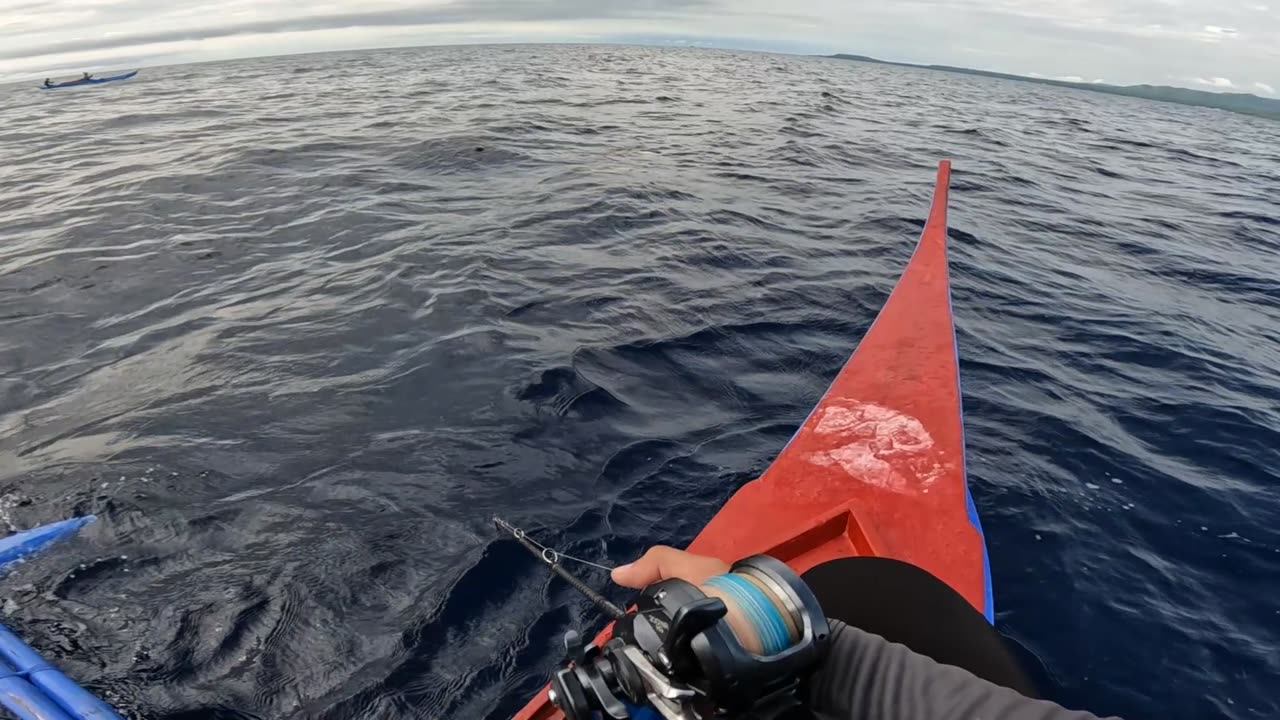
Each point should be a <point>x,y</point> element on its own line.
<point>664,563</point>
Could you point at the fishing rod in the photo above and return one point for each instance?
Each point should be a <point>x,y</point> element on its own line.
<point>677,653</point>
<point>551,559</point>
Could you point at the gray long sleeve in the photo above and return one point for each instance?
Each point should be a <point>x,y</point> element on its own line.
<point>866,677</point>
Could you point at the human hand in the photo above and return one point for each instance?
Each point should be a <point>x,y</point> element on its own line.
<point>664,563</point>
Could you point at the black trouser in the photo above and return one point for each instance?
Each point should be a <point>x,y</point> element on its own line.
<point>905,604</point>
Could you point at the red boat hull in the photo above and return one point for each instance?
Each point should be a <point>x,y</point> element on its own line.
<point>878,468</point>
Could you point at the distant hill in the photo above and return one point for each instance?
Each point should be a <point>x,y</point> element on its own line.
<point>1235,102</point>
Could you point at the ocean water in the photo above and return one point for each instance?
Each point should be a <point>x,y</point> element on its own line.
<point>295,328</point>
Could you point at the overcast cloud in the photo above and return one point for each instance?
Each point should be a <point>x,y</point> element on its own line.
<point>1223,45</point>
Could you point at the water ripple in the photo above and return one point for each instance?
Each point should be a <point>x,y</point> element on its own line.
<point>295,328</point>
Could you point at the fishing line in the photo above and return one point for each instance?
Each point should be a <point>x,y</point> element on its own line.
<point>771,621</point>
<point>551,558</point>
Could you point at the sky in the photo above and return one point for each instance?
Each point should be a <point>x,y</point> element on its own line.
<point>1218,45</point>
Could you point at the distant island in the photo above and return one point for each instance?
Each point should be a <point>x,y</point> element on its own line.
<point>1235,102</point>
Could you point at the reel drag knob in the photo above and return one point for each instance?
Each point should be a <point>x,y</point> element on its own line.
<point>584,687</point>
<point>624,673</point>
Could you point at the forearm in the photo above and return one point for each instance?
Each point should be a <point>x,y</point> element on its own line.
<point>866,676</point>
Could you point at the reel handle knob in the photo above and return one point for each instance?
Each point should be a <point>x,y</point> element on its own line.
<point>567,694</point>
<point>575,650</point>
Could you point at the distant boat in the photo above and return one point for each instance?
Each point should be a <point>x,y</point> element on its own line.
<point>90,81</point>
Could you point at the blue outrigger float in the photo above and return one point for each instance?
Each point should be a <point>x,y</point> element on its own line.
<point>30,687</point>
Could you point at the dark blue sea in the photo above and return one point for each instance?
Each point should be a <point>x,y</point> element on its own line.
<point>295,328</point>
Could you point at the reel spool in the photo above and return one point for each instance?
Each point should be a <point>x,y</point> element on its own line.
<point>678,653</point>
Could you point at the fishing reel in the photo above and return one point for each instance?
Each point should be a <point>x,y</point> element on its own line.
<point>678,654</point>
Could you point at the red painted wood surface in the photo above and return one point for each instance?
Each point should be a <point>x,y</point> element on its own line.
<point>878,467</point>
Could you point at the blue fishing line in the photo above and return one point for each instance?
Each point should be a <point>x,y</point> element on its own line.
<point>758,608</point>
